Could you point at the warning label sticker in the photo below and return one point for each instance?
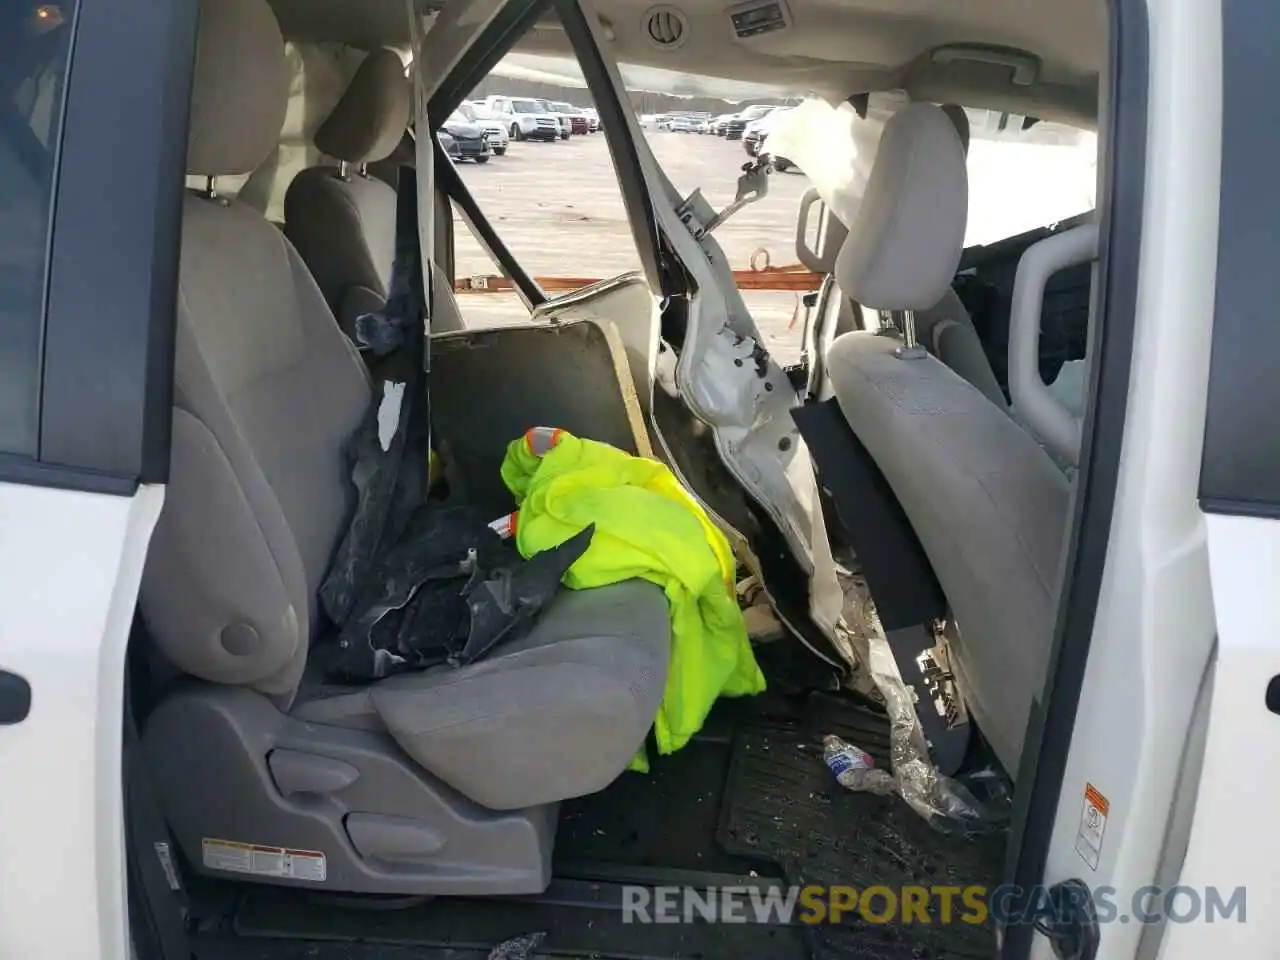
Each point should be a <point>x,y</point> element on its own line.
<point>263,861</point>
<point>1093,824</point>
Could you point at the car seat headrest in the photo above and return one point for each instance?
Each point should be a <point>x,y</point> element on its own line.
<point>905,242</point>
<point>960,120</point>
<point>240,91</point>
<point>369,120</point>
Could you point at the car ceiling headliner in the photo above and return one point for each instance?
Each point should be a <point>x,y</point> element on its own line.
<point>835,48</point>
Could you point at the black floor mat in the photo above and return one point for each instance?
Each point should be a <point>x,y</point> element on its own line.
<point>242,948</point>
<point>579,919</point>
<point>783,804</point>
<point>666,818</point>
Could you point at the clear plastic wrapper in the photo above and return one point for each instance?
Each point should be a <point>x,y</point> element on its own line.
<point>518,948</point>
<point>947,803</point>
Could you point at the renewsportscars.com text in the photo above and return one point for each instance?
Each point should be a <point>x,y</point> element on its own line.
<point>974,904</point>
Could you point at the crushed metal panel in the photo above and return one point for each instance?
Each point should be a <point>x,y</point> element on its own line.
<point>490,386</point>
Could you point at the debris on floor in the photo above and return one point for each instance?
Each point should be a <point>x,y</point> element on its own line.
<point>518,948</point>
<point>854,769</point>
<point>781,804</point>
<point>763,625</point>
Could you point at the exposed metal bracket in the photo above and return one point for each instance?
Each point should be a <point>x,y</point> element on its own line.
<point>753,185</point>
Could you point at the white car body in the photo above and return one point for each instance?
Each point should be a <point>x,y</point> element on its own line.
<point>498,130</point>
<point>565,120</point>
<point>766,124</point>
<point>525,118</point>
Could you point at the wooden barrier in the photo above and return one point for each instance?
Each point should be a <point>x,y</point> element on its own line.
<point>794,278</point>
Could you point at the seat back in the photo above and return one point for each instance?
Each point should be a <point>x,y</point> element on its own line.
<point>946,330</point>
<point>266,392</point>
<point>987,503</point>
<point>340,219</point>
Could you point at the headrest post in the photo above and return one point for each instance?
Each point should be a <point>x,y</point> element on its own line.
<point>210,188</point>
<point>344,170</point>
<point>905,321</point>
<point>363,170</point>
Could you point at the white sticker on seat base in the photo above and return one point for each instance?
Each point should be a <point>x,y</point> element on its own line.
<point>260,860</point>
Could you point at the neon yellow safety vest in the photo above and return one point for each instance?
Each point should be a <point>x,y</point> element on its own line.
<point>648,527</point>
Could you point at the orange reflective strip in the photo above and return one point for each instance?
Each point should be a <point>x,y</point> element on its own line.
<point>541,440</point>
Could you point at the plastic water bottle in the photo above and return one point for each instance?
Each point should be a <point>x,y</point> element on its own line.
<point>853,767</point>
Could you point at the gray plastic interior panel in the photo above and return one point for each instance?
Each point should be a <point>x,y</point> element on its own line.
<point>253,794</point>
<point>1033,402</point>
<point>489,386</point>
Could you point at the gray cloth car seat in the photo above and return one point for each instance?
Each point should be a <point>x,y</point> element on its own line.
<point>989,506</point>
<point>341,220</point>
<point>267,391</point>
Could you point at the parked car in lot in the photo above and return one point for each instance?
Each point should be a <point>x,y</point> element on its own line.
<point>499,137</point>
<point>562,118</point>
<point>683,125</point>
<point>593,118</point>
<point>447,143</point>
<point>736,125</point>
<point>758,130</point>
<point>470,139</point>
<point>524,117</point>
<point>578,123</point>
<point>718,123</point>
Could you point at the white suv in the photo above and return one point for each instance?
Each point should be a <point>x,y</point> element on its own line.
<point>497,129</point>
<point>524,118</point>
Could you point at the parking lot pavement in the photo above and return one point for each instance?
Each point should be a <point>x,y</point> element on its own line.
<point>558,208</point>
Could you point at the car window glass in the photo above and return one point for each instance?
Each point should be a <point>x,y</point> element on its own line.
<point>1021,179</point>
<point>552,195</point>
<point>34,45</point>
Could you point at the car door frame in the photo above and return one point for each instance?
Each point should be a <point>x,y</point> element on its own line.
<point>78,514</point>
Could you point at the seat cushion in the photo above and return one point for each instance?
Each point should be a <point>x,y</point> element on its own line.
<point>556,714</point>
<point>990,509</point>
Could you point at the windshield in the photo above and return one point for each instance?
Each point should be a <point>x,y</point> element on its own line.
<point>527,106</point>
<point>755,113</point>
<point>563,107</point>
<point>465,111</point>
<point>456,117</point>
